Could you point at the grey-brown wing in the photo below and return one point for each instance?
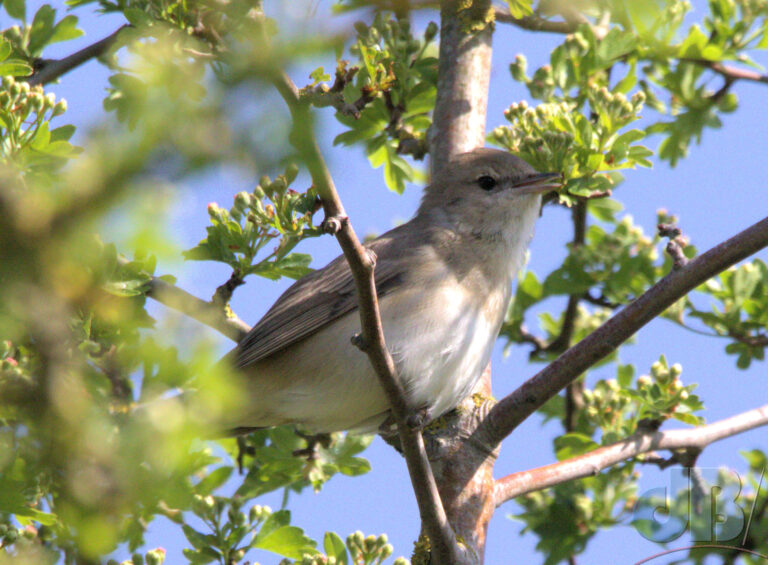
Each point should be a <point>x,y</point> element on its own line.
<point>316,300</point>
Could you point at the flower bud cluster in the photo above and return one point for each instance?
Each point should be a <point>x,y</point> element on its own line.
<point>367,549</point>
<point>665,387</point>
<point>21,100</point>
<point>392,36</point>
<point>615,106</point>
<point>576,45</point>
<point>606,405</point>
<point>535,135</point>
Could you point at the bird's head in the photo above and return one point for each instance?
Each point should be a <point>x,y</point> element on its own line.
<point>486,192</point>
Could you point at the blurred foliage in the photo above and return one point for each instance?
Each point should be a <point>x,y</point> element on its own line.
<point>83,472</point>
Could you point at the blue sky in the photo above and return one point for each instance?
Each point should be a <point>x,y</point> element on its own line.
<point>717,191</point>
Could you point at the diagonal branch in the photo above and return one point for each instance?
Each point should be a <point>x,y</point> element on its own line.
<point>534,23</point>
<point>517,406</point>
<point>729,73</point>
<point>208,313</point>
<point>49,70</point>
<point>442,539</point>
<point>592,463</point>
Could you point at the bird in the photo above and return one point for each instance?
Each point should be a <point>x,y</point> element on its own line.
<point>444,281</point>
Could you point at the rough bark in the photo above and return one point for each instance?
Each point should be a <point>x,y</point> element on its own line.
<point>463,470</point>
<point>464,72</point>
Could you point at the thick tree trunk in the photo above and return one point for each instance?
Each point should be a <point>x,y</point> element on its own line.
<point>464,73</point>
<point>462,464</point>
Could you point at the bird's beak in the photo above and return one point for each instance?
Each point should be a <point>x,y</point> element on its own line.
<point>538,183</point>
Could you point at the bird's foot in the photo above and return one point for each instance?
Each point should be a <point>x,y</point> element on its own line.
<point>419,418</point>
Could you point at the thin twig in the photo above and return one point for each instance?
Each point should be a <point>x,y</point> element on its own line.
<point>533,23</point>
<point>442,539</point>
<point>49,70</point>
<point>517,406</point>
<point>208,313</point>
<point>601,301</point>
<point>592,463</point>
<point>730,73</point>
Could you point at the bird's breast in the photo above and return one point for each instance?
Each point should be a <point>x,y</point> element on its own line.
<point>441,336</point>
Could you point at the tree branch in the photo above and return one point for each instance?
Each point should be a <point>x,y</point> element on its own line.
<point>48,70</point>
<point>592,463</point>
<point>443,542</point>
<point>533,23</point>
<point>517,406</point>
<point>208,313</point>
<point>730,73</point>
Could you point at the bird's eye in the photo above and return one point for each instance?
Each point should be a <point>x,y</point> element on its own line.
<point>486,182</point>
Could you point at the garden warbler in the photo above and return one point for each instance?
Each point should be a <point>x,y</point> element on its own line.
<point>444,282</point>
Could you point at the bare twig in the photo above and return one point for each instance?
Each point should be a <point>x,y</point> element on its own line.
<point>600,301</point>
<point>533,23</point>
<point>730,73</point>
<point>675,244</point>
<point>206,312</point>
<point>442,539</point>
<point>520,404</point>
<point>592,463</point>
<point>49,70</point>
<point>223,293</point>
<point>210,314</point>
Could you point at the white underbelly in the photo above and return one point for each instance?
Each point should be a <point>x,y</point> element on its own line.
<point>442,348</point>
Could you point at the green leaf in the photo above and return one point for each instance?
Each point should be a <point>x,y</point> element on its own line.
<point>137,17</point>
<point>624,375</point>
<point>42,137</point>
<point>573,444</point>
<point>201,556</point>
<point>126,288</point>
<point>41,29</point>
<point>520,8</point>
<point>604,209</point>
<point>687,418</point>
<point>15,67</point>
<point>697,46</point>
<point>5,48</point>
<point>16,9</point>
<point>629,81</point>
<point>63,133</point>
<point>334,546</point>
<point>65,30</point>
<point>197,539</point>
<point>213,480</point>
<point>615,44</point>
<point>319,75</point>
<point>27,516</point>
<point>354,466</point>
<point>278,537</point>
<point>629,137</point>
<point>755,458</point>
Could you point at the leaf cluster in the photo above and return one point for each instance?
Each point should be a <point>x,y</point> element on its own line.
<point>398,72</point>
<point>272,213</point>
